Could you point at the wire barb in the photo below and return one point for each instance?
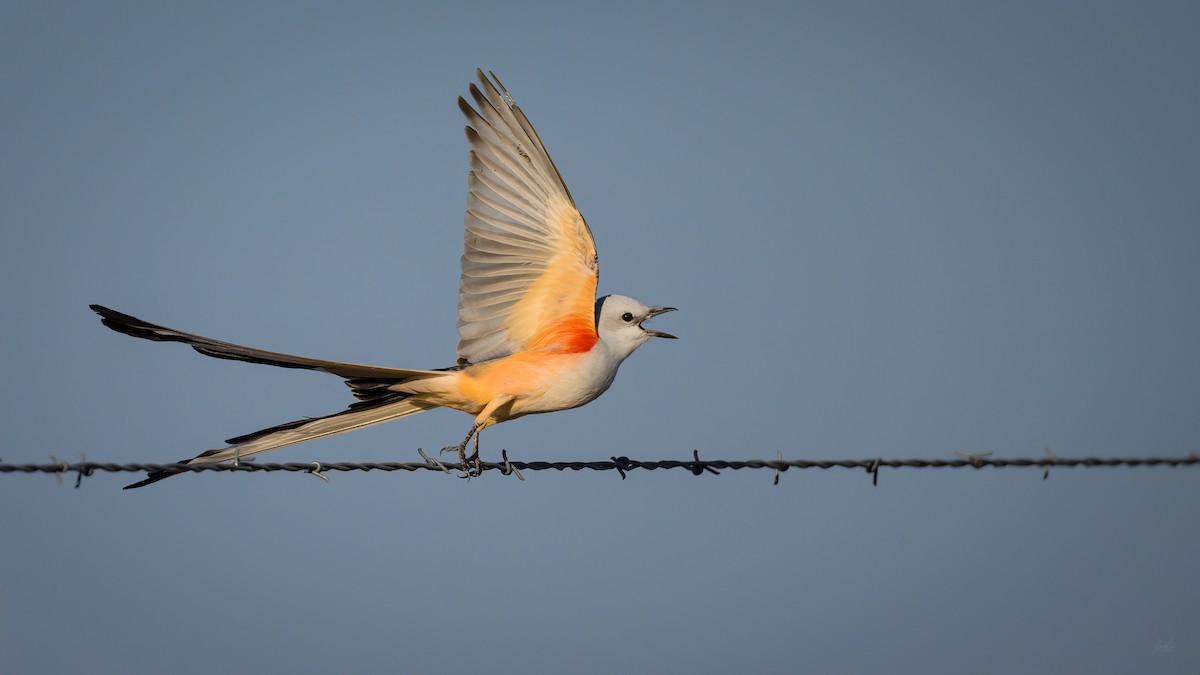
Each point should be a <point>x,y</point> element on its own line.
<point>976,458</point>
<point>508,468</point>
<point>316,471</point>
<point>698,467</point>
<point>85,471</point>
<point>1050,457</point>
<point>621,464</point>
<point>63,467</point>
<point>433,462</point>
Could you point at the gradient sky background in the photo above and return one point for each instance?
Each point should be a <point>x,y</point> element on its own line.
<point>892,229</point>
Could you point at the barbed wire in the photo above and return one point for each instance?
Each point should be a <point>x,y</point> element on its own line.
<point>621,465</point>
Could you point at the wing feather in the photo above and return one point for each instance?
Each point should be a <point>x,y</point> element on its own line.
<point>496,187</point>
<point>500,174</point>
<point>529,266</point>
<point>501,218</point>
<point>519,115</point>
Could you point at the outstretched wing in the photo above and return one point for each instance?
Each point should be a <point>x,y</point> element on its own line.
<point>529,265</point>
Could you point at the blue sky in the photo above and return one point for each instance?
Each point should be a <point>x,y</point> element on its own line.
<point>891,230</point>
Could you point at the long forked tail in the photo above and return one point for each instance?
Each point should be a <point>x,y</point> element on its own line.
<point>357,416</point>
<point>371,385</point>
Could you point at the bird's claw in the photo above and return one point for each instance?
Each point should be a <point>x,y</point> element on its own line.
<point>471,466</point>
<point>461,451</point>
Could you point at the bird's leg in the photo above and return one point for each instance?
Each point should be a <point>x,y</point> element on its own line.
<point>473,459</point>
<point>482,421</point>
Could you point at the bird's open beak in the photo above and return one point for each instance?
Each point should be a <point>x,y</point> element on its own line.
<point>655,311</point>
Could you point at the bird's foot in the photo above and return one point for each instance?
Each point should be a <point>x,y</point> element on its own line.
<point>461,450</point>
<point>471,466</point>
<point>475,462</point>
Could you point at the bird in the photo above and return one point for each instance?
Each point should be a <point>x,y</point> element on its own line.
<point>533,336</point>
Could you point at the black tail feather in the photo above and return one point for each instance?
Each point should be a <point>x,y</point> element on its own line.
<point>135,327</point>
<point>154,477</point>
<point>368,389</point>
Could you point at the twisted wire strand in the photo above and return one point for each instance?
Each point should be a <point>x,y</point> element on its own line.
<point>619,464</point>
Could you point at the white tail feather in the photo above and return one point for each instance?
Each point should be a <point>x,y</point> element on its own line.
<point>321,426</point>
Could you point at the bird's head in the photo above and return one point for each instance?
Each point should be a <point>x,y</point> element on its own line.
<point>619,323</point>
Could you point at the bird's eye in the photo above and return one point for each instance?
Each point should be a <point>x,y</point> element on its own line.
<point>627,317</point>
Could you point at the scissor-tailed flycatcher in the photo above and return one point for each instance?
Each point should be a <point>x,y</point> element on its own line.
<point>533,338</point>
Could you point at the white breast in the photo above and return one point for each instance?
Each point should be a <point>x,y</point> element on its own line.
<point>593,376</point>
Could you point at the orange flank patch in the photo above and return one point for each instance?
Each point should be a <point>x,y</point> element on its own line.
<point>523,373</point>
